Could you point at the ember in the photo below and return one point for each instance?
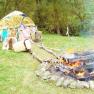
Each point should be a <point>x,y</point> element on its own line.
<point>74,69</point>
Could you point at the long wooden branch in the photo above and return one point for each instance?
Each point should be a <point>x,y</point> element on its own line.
<point>53,49</point>
<point>47,50</point>
<point>34,56</point>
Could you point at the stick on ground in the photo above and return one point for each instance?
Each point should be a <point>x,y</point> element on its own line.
<point>47,50</point>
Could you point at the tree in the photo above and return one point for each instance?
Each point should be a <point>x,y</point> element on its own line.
<point>52,16</point>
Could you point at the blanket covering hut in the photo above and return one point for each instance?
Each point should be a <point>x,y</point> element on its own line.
<point>18,25</point>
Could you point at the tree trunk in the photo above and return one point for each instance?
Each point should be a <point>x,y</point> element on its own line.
<point>56,18</point>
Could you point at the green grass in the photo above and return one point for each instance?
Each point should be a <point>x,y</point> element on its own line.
<point>17,70</point>
<point>65,43</point>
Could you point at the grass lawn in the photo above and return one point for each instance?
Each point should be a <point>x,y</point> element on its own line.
<point>17,70</point>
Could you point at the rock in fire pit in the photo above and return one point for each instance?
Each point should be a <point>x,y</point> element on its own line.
<point>75,71</point>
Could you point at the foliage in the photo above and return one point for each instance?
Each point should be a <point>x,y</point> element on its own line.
<point>51,15</point>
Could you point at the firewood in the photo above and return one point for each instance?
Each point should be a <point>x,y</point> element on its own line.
<point>34,56</point>
<point>47,50</point>
<point>71,73</point>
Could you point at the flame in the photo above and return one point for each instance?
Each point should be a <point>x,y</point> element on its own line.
<point>74,64</point>
<point>80,74</point>
<point>71,64</point>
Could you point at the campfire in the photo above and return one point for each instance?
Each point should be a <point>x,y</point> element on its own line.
<point>74,72</point>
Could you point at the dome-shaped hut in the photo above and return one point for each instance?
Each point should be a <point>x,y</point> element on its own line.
<point>14,19</point>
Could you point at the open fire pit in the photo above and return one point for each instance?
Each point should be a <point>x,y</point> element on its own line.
<point>73,71</point>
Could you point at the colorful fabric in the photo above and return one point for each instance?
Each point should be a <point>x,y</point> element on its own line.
<point>24,32</point>
<point>23,35</point>
<point>4,34</point>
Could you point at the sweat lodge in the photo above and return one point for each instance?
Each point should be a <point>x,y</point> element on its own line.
<point>18,31</point>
